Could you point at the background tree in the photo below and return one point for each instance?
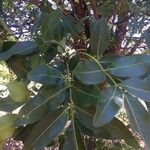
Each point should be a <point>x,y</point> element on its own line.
<point>73,70</point>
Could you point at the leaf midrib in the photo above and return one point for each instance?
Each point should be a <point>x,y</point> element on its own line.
<point>111,98</point>
<point>47,100</point>
<point>78,89</point>
<point>130,87</point>
<point>134,116</point>
<point>109,69</point>
<point>59,116</point>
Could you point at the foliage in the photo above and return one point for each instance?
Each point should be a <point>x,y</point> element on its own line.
<point>81,55</point>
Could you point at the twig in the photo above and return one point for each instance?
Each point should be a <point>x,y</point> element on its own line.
<point>94,8</point>
<point>136,45</point>
<point>124,19</point>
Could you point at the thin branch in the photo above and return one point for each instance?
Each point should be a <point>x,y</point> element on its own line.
<point>136,45</point>
<point>124,19</point>
<point>94,8</point>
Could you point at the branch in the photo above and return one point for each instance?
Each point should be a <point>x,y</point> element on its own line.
<point>94,8</point>
<point>136,45</point>
<point>124,19</point>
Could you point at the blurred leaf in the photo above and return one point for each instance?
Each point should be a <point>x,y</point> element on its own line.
<point>106,8</point>
<point>23,132</point>
<point>14,86</point>
<point>100,36</point>
<point>46,130</point>
<point>7,105</point>
<point>19,65</point>
<point>89,72</point>
<point>85,95</point>
<point>73,139</point>
<point>20,48</point>
<point>115,129</point>
<point>107,108</point>
<point>85,116</point>
<point>46,101</point>
<point>69,26</point>
<point>130,66</point>
<point>55,25</point>
<point>73,61</point>
<point>50,53</point>
<point>139,117</point>
<point>7,45</point>
<point>7,127</point>
<point>146,36</point>
<point>45,75</point>
<point>50,23</point>
<point>138,87</point>
<point>35,60</point>
<point>85,130</point>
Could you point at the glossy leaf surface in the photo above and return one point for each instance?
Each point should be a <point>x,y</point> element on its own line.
<point>73,138</point>
<point>130,66</point>
<point>20,48</point>
<point>44,102</point>
<point>48,128</point>
<point>138,87</point>
<point>89,72</point>
<point>107,108</point>
<point>45,75</point>
<point>139,117</point>
<point>99,36</point>
<point>85,95</point>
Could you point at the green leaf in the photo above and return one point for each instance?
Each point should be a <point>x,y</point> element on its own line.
<point>108,107</point>
<point>100,36</point>
<point>23,132</point>
<point>45,75</point>
<point>73,139</point>
<point>50,25</point>
<point>7,127</point>
<point>20,66</point>
<point>55,25</point>
<point>115,129</point>
<point>89,72</point>
<point>35,60</point>
<point>44,102</point>
<point>50,54</point>
<point>73,61</point>
<point>8,119</point>
<point>46,130</point>
<point>7,45</point>
<point>139,117</point>
<point>7,105</point>
<point>85,116</point>
<point>85,95</point>
<point>18,91</point>
<point>138,87</point>
<point>20,48</point>
<point>69,25</point>
<point>146,36</point>
<point>85,130</point>
<point>130,66</point>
